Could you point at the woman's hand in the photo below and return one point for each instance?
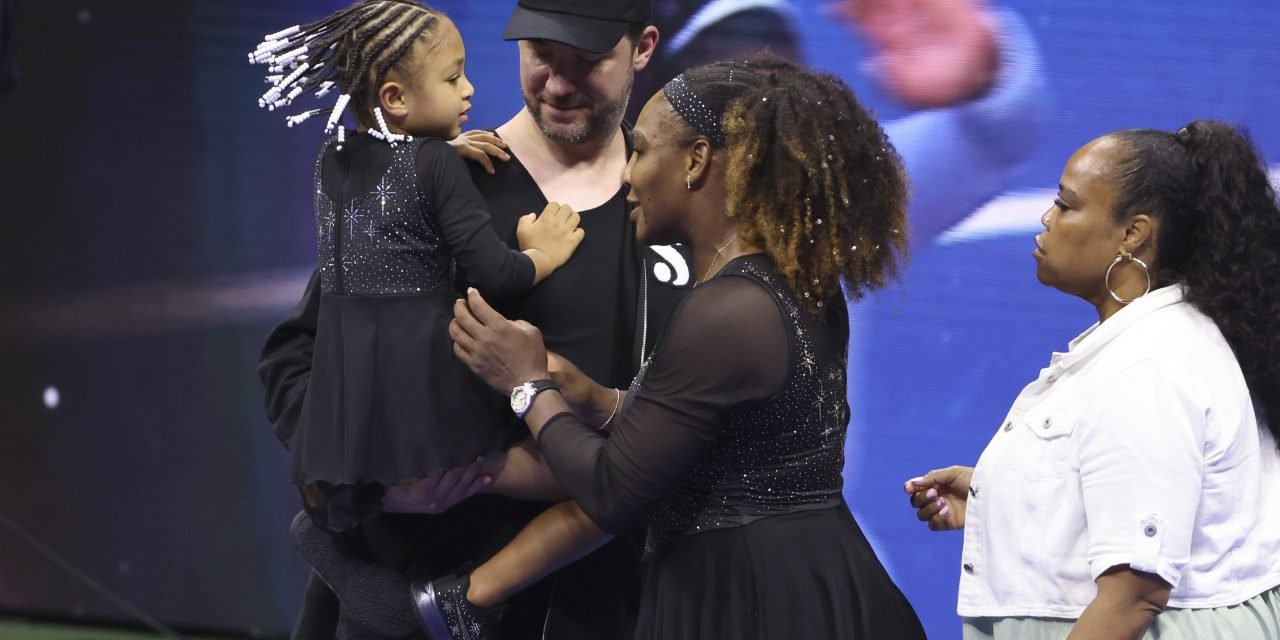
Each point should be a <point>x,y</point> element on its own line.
<point>941,497</point>
<point>587,398</point>
<point>479,146</point>
<point>505,354</point>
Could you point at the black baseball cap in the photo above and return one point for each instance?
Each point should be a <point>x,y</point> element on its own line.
<point>590,25</point>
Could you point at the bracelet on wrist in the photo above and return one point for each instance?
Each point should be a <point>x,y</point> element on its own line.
<point>617,402</point>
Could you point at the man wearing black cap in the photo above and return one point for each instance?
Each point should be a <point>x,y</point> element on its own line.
<point>595,26</point>
<point>601,311</point>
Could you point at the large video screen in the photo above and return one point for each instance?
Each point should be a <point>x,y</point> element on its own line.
<point>155,223</point>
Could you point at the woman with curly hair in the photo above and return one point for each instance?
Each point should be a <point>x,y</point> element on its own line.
<point>1125,495</point>
<point>729,443</point>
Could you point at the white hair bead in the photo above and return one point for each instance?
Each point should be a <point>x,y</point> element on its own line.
<point>291,55</point>
<point>382,127</point>
<point>269,47</point>
<point>302,117</point>
<point>337,113</point>
<point>297,73</point>
<point>284,33</point>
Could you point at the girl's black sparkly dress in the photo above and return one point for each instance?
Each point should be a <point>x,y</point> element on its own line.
<point>731,446</point>
<point>400,231</point>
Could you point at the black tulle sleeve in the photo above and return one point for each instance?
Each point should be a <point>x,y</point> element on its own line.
<point>726,345</point>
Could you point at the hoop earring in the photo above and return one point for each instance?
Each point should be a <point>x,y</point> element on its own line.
<point>688,182</point>
<point>1146,272</point>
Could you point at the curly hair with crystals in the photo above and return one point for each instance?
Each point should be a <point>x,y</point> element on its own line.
<point>351,51</point>
<point>810,176</point>
<point>1218,235</point>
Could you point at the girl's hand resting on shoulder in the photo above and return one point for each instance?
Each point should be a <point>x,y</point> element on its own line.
<point>481,146</point>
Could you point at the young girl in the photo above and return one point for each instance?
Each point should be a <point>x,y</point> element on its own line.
<point>400,229</point>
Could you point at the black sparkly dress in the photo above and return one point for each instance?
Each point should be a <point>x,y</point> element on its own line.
<point>731,446</point>
<point>400,230</point>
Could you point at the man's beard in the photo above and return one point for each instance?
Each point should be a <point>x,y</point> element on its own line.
<point>601,120</point>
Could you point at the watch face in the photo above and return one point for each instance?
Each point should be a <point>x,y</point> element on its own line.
<point>520,397</point>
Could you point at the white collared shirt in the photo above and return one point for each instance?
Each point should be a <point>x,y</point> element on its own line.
<point>1137,446</point>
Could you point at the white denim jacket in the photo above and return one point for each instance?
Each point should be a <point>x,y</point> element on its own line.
<point>1137,446</point>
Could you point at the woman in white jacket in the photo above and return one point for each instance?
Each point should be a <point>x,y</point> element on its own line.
<point>1124,494</point>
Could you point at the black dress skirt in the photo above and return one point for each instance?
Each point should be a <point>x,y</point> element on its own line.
<point>809,575</point>
<point>399,231</point>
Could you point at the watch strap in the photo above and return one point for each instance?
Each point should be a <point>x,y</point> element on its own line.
<point>542,385</point>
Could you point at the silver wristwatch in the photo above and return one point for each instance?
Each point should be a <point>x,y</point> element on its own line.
<point>522,395</point>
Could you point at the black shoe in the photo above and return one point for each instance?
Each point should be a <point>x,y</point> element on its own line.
<point>446,613</point>
<point>371,595</point>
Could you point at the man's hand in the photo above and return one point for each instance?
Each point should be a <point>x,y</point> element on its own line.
<point>481,146</point>
<point>929,53</point>
<point>439,492</point>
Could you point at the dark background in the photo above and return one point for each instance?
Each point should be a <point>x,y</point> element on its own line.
<point>154,223</point>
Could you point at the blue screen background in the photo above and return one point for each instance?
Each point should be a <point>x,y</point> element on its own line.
<point>156,224</point>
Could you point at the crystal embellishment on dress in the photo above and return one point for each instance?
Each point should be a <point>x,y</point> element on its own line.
<point>780,457</point>
<point>384,192</point>
<point>386,241</point>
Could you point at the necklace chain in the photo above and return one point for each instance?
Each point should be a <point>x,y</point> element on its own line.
<point>717,256</point>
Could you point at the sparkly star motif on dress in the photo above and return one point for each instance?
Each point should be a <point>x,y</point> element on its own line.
<point>384,191</point>
<point>832,389</point>
<point>324,220</point>
<point>820,398</point>
<point>353,216</point>
<point>808,360</point>
<point>385,238</point>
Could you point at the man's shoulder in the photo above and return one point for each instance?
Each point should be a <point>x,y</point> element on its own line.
<point>506,175</point>
<point>509,192</point>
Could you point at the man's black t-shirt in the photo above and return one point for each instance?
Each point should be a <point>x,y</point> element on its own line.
<point>591,312</point>
<point>585,309</point>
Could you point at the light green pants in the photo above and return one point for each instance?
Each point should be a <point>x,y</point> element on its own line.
<point>1257,618</point>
